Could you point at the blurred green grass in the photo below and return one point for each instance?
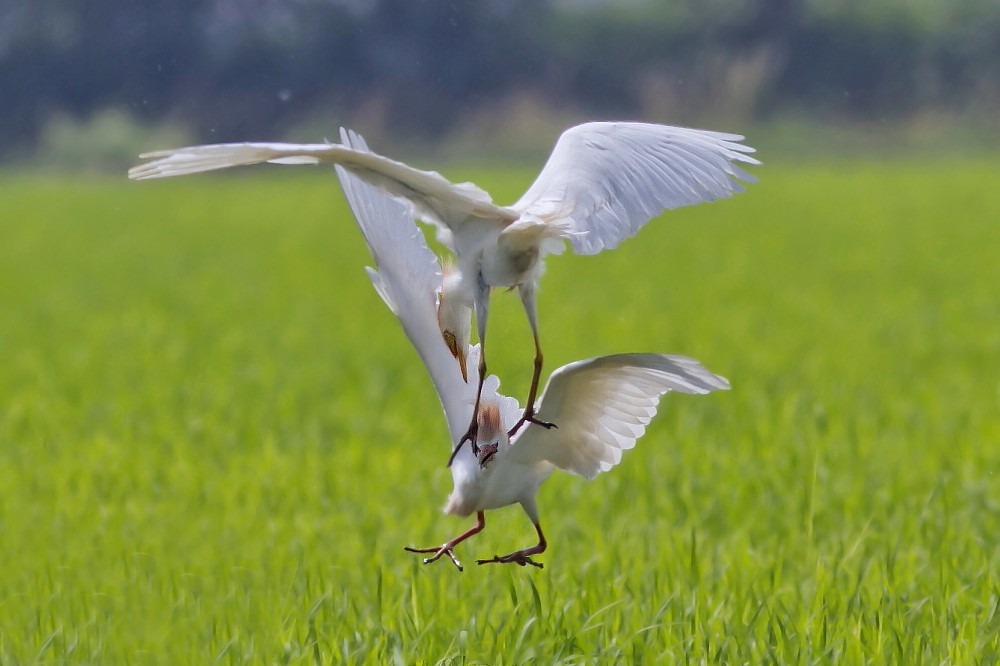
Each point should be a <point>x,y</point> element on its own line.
<point>215,440</point>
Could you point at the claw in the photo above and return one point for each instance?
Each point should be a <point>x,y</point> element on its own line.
<point>514,558</point>
<point>447,546</point>
<point>438,552</point>
<point>470,437</point>
<point>529,417</point>
<point>521,557</point>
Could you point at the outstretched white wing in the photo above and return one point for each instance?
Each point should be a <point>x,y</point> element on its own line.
<point>407,278</point>
<point>602,406</point>
<point>433,197</point>
<point>607,179</point>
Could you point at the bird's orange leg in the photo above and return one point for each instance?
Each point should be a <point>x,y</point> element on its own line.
<point>529,409</point>
<point>520,557</point>
<point>473,431</point>
<point>482,309</point>
<point>447,546</point>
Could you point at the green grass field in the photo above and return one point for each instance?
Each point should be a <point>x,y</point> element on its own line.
<point>215,440</point>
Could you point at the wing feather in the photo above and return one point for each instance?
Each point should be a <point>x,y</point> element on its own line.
<point>603,405</point>
<point>407,278</point>
<point>432,196</point>
<point>607,179</point>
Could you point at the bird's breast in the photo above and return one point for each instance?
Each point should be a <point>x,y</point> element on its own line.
<point>506,267</point>
<point>503,482</point>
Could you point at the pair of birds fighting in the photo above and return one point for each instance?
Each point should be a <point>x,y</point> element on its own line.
<point>601,183</point>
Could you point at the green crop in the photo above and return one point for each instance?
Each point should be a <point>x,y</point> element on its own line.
<point>215,439</point>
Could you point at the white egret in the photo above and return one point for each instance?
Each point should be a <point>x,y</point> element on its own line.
<point>601,183</point>
<point>602,404</point>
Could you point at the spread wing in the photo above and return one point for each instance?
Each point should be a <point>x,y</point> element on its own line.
<point>602,406</point>
<point>407,278</point>
<point>432,196</point>
<point>607,179</point>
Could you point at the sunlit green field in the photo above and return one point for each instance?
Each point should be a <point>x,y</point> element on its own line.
<point>215,440</point>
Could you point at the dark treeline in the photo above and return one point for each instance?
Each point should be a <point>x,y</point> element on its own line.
<point>249,69</point>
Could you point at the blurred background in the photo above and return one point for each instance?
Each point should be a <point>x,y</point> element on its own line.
<point>89,85</point>
<point>215,440</point>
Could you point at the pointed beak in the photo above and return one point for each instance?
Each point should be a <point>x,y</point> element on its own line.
<point>457,352</point>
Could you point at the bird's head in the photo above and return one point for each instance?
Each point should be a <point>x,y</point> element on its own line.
<point>453,317</point>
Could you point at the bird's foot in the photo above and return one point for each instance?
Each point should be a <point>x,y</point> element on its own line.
<point>519,557</point>
<point>545,424</point>
<point>438,552</point>
<point>529,417</point>
<point>470,436</point>
<point>486,453</point>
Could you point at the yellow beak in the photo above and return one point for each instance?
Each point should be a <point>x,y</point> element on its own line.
<point>457,352</point>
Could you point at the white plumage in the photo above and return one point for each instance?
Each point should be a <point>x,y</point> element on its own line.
<point>602,182</point>
<point>607,179</point>
<point>602,405</point>
<point>606,404</point>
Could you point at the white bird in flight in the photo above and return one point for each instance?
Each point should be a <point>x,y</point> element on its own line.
<point>601,183</point>
<point>602,404</point>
